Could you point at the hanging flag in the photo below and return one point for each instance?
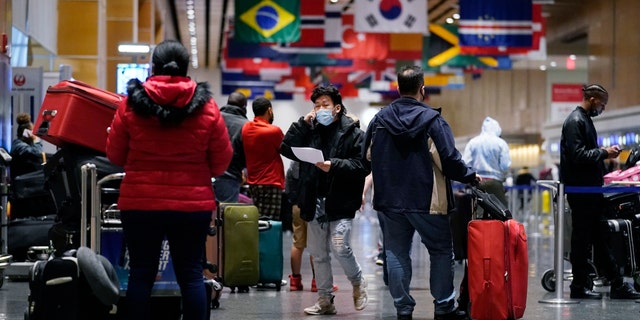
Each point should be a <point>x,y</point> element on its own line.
<point>360,45</point>
<point>405,46</point>
<point>539,46</point>
<point>251,86</point>
<point>537,26</point>
<point>441,48</point>
<point>496,23</point>
<point>267,20</point>
<point>320,29</point>
<point>391,16</point>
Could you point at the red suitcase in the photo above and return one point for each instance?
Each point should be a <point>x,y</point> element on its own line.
<point>498,269</point>
<point>74,112</point>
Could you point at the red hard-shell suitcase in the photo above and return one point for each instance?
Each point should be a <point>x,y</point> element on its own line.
<point>74,112</point>
<point>498,265</point>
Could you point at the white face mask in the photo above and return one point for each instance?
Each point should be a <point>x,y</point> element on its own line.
<point>324,117</point>
<point>26,133</point>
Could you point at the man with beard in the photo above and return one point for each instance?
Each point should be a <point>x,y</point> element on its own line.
<point>265,170</point>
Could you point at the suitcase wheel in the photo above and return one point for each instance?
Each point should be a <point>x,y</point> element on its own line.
<point>549,280</point>
<point>278,286</point>
<point>215,304</point>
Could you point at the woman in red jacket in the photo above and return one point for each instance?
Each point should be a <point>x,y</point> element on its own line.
<point>170,138</point>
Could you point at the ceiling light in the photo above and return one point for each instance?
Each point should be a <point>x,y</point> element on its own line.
<point>449,20</point>
<point>133,48</point>
<point>456,16</point>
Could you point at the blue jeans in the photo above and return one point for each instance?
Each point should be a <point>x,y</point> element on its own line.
<point>226,189</point>
<point>436,236</point>
<point>186,232</point>
<point>335,237</point>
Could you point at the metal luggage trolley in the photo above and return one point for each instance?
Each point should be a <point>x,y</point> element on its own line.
<point>548,280</point>
<point>106,235</point>
<point>5,258</point>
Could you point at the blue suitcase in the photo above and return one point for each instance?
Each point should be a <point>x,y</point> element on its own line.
<point>271,256</point>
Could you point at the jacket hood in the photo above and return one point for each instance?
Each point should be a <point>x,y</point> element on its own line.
<point>407,117</point>
<point>171,99</point>
<point>491,126</point>
<point>231,109</point>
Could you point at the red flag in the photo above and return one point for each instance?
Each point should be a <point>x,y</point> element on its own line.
<point>358,45</point>
<point>319,29</point>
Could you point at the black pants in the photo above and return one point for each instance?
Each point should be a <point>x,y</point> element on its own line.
<point>587,215</point>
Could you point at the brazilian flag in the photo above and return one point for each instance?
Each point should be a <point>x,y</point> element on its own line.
<point>267,20</point>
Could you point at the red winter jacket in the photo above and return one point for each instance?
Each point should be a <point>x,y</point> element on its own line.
<point>170,138</point>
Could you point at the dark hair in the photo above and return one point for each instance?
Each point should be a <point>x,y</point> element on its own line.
<point>260,106</point>
<point>24,122</point>
<point>410,80</point>
<point>237,99</point>
<point>170,58</point>
<point>330,91</point>
<point>593,90</point>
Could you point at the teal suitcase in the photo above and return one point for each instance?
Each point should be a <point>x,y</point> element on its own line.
<point>271,256</point>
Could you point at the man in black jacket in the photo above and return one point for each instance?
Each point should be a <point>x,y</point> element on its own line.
<point>330,192</point>
<point>227,186</point>
<point>582,164</point>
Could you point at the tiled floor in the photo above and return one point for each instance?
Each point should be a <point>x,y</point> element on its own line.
<point>270,304</point>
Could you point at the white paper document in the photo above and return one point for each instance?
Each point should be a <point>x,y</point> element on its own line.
<point>307,154</point>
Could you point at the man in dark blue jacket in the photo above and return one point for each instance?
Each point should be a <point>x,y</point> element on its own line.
<point>582,164</point>
<point>402,167</point>
<point>227,186</point>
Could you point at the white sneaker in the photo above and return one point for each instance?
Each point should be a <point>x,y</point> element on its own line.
<point>323,306</point>
<point>360,296</point>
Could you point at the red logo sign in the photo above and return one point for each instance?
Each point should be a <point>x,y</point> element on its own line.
<point>19,80</point>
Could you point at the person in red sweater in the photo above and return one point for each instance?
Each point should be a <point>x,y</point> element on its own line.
<point>170,138</point>
<point>265,170</point>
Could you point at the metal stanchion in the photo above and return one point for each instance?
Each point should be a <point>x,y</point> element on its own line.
<point>558,249</point>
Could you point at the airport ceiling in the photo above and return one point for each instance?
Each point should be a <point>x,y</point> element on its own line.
<point>209,24</point>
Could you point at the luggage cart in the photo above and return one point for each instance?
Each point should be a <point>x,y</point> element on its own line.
<point>549,278</point>
<point>5,258</point>
<point>107,238</point>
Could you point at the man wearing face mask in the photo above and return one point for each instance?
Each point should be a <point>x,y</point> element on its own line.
<point>265,170</point>
<point>330,192</point>
<point>582,164</point>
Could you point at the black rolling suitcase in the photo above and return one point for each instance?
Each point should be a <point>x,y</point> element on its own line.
<point>623,242</point>
<point>459,221</point>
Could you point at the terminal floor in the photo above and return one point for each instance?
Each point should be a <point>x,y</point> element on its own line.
<point>285,304</point>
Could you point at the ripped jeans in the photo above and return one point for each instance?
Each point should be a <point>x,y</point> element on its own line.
<point>335,237</point>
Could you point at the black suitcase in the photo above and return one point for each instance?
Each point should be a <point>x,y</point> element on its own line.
<point>54,290</point>
<point>623,243</point>
<point>25,233</point>
<point>623,205</point>
<point>459,221</point>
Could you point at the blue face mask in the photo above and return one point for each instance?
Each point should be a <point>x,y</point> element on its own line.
<point>324,117</point>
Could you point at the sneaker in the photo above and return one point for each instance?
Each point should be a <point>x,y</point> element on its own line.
<point>314,288</point>
<point>379,260</point>
<point>323,306</point>
<point>295,283</point>
<point>360,296</point>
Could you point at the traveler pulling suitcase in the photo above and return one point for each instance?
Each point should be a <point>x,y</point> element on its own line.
<point>271,256</point>
<point>497,263</point>
<point>76,113</point>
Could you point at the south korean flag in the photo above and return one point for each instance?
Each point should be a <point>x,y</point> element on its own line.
<point>390,16</point>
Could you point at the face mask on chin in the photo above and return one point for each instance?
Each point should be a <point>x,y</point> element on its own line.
<point>324,117</point>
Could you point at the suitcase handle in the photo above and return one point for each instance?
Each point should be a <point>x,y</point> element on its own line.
<point>47,116</point>
<point>264,225</point>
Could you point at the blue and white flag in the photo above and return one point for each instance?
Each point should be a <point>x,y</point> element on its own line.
<point>496,23</point>
<point>390,16</point>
